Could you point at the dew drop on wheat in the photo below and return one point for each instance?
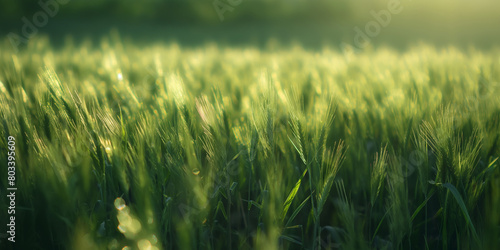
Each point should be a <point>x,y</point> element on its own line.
<point>119,203</point>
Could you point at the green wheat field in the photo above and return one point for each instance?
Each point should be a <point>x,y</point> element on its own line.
<point>122,146</point>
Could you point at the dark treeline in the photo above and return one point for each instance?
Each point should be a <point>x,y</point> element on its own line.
<point>190,11</point>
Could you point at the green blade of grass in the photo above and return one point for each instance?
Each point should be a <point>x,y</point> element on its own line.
<point>291,196</point>
<point>296,211</point>
<point>291,239</point>
<point>461,203</point>
<point>421,206</point>
<point>380,224</point>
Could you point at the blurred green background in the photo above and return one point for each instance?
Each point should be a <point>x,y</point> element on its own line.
<point>312,23</point>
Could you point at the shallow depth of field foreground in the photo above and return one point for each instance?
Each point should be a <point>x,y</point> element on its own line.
<point>210,147</point>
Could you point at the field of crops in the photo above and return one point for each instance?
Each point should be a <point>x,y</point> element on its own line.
<point>120,146</point>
